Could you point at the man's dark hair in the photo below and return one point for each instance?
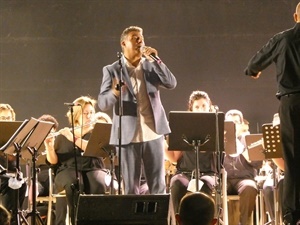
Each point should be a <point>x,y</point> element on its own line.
<point>4,216</point>
<point>197,209</point>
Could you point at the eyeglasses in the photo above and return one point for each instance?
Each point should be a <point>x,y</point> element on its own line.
<point>5,118</point>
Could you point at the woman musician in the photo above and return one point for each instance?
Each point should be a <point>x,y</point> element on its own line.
<point>60,151</point>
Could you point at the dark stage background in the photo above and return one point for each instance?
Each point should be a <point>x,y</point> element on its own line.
<point>53,51</point>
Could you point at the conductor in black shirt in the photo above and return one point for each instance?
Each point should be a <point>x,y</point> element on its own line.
<point>284,50</point>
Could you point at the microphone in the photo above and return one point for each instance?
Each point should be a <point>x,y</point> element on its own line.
<point>155,58</point>
<point>216,108</point>
<point>71,104</point>
<point>152,56</point>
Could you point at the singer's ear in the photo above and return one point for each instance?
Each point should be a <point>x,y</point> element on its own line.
<point>123,44</point>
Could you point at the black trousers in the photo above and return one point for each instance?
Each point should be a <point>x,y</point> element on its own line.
<point>289,112</point>
<point>90,182</point>
<point>11,196</point>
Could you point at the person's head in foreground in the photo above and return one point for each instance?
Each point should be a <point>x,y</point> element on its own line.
<point>196,209</point>
<point>4,216</point>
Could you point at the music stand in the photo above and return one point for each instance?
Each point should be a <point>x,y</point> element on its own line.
<point>254,143</point>
<point>194,126</point>
<point>272,142</point>
<point>99,141</point>
<point>29,137</point>
<point>196,131</point>
<point>273,149</point>
<point>7,129</point>
<point>98,146</point>
<point>229,137</point>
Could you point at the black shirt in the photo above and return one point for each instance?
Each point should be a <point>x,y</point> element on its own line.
<point>65,153</point>
<point>207,162</point>
<point>284,50</point>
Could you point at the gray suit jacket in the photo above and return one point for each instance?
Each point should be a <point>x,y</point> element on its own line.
<point>156,76</point>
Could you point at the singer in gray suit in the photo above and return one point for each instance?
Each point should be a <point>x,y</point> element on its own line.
<point>143,119</point>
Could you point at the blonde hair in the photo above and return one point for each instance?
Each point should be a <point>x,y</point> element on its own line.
<point>80,103</point>
<point>4,106</point>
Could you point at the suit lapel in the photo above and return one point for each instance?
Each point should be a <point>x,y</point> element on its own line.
<point>126,78</point>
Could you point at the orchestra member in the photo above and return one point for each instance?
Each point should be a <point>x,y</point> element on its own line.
<point>199,101</point>
<point>283,49</point>
<point>144,122</point>
<point>63,149</point>
<point>241,172</point>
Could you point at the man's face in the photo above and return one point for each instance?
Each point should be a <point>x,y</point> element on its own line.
<point>132,44</point>
<point>5,115</point>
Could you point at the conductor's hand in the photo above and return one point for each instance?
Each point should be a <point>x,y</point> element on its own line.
<point>257,75</point>
<point>147,51</point>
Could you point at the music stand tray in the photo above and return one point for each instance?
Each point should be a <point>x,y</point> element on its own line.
<point>272,142</point>
<point>98,144</point>
<point>195,126</point>
<point>255,148</point>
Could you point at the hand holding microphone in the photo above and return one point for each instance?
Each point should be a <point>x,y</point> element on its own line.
<point>150,53</point>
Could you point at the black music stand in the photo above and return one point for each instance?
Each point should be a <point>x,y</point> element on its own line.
<point>98,146</point>
<point>12,147</point>
<point>273,149</point>
<point>272,142</point>
<point>7,129</point>
<point>196,131</point>
<point>30,138</point>
<point>229,137</point>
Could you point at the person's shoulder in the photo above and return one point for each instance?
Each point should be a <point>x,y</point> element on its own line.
<point>287,32</point>
<point>112,65</point>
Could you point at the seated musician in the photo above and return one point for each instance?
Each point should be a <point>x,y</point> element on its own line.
<point>241,172</point>
<point>199,101</point>
<point>60,150</point>
<point>9,200</point>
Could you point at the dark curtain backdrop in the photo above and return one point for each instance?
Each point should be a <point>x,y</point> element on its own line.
<point>53,51</point>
